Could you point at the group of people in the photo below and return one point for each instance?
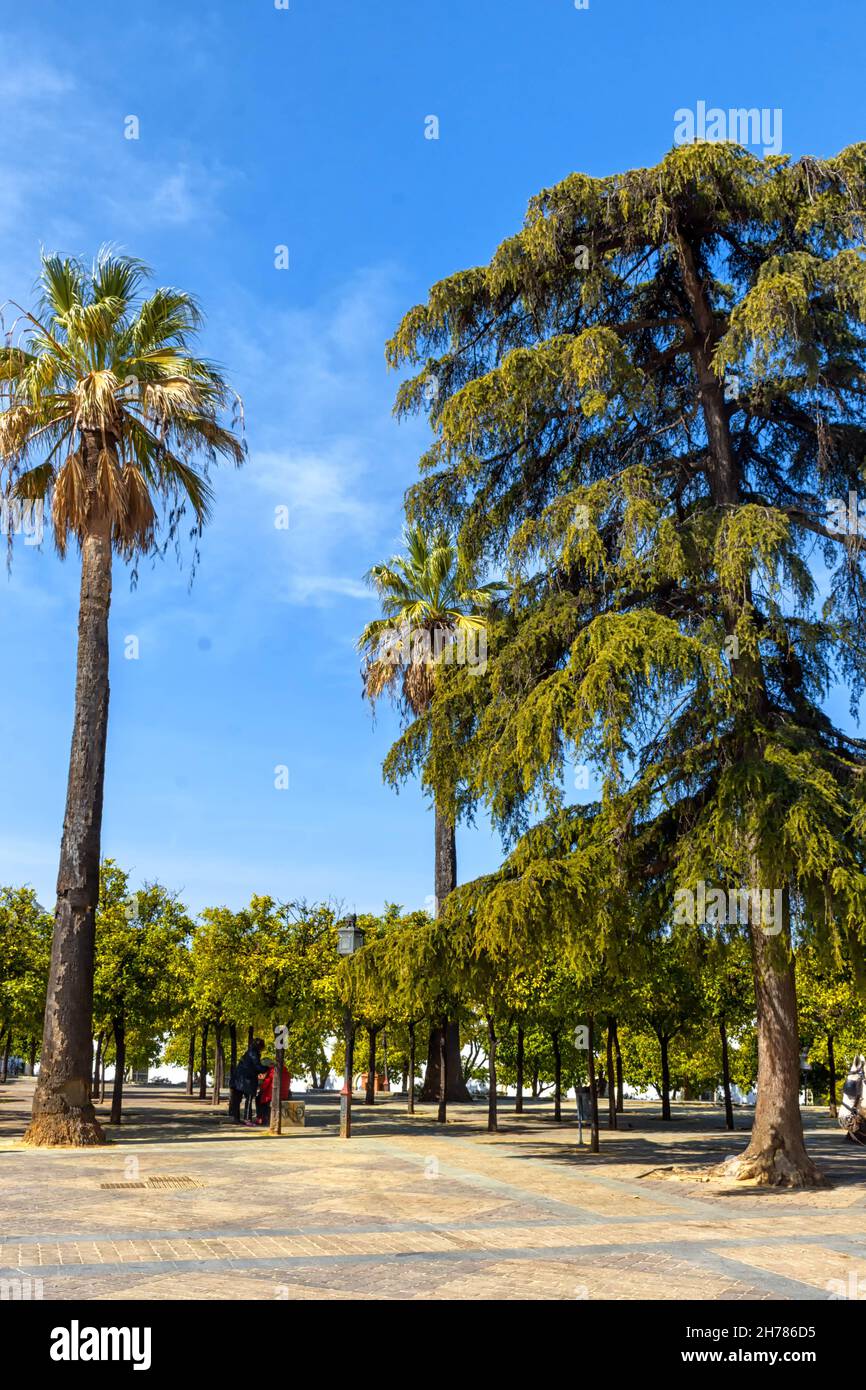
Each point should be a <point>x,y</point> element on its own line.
<point>252,1080</point>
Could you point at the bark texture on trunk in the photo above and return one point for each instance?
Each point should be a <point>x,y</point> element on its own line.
<point>218,1064</point>
<point>94,1090</point>
<point>776,1155</point>
<point>620,1086</point>
<point>457,1090</point>
<point>726,1076</point>
<point>593,1086</point>
<point>492,1115</point>
<point>831,1065</point>
<point>444,880</point>
<point>410,1106</point>
<point>370,1093</point>
<point>276,1121</point>
<point>63,1110</point>
<point>518,1099</point>
<point>611,1089</point>
<point>557,1075</point>
<point>442,1116</point>
<point>664,1045</point>
<point>190,1064</point>
<point>202,1078</point>
<point>119,1069</point>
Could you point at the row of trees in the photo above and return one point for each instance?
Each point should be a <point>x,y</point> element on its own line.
<point>192,993</point>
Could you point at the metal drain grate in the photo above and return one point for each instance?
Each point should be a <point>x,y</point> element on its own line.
<point>181,1180</point>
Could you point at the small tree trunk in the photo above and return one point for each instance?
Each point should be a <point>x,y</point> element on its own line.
<point>190,1064</point>
<point>404,1080</point>
<point>831,1064</point>
<point>411,1102</point>
<point>620,1089</point>
<point>593,1087</point>
<point>202,1080</point>
<point>33,1045</point>
<point>218,1064</point>
<point>557,1076</point>
<point>7,1048</point>
<point>611,1089</point>
<point>518,1101</point>
<point>62,1104</point>
<point>276,1123</point>
<point>370,1096</point>
<point>726,1076</point>
<point>442,1116</point>
<point>664,1044</point>
<point>233,1054</point>
<point>94,1090</point>
<point>492,1115</point>
<point>119,1069</point>
<point>102,1082</point>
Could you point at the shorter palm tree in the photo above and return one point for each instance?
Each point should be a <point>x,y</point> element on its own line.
<point>109,416</point>
<point>430,618</point>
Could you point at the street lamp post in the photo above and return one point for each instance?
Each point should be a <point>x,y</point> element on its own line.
<point>350,938</point>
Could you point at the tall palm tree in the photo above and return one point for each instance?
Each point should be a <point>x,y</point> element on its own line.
<point>427,612</point>
<point>112,420</point>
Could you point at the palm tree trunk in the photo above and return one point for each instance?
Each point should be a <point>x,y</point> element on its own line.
<point>444,880</point>
<point>63,1110</point>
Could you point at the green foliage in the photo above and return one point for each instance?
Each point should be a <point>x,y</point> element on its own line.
<point>25,954</point>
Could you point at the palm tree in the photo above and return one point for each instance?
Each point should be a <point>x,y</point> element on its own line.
<point>429,618</point>
<point>112,420</point>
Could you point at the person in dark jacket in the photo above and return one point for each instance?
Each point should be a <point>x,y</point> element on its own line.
<point>246,1076</point>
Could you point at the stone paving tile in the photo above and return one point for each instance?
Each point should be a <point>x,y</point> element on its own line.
<point>408,1210</point>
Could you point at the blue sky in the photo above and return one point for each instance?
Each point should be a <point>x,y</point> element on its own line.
<point>304,127</point>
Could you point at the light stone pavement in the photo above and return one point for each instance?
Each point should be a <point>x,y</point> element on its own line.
<point>407,1210</point>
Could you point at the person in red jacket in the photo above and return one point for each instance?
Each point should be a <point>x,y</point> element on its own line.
<point>266,1093</point>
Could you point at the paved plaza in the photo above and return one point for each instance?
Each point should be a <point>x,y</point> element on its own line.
<point>184,1205</point>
